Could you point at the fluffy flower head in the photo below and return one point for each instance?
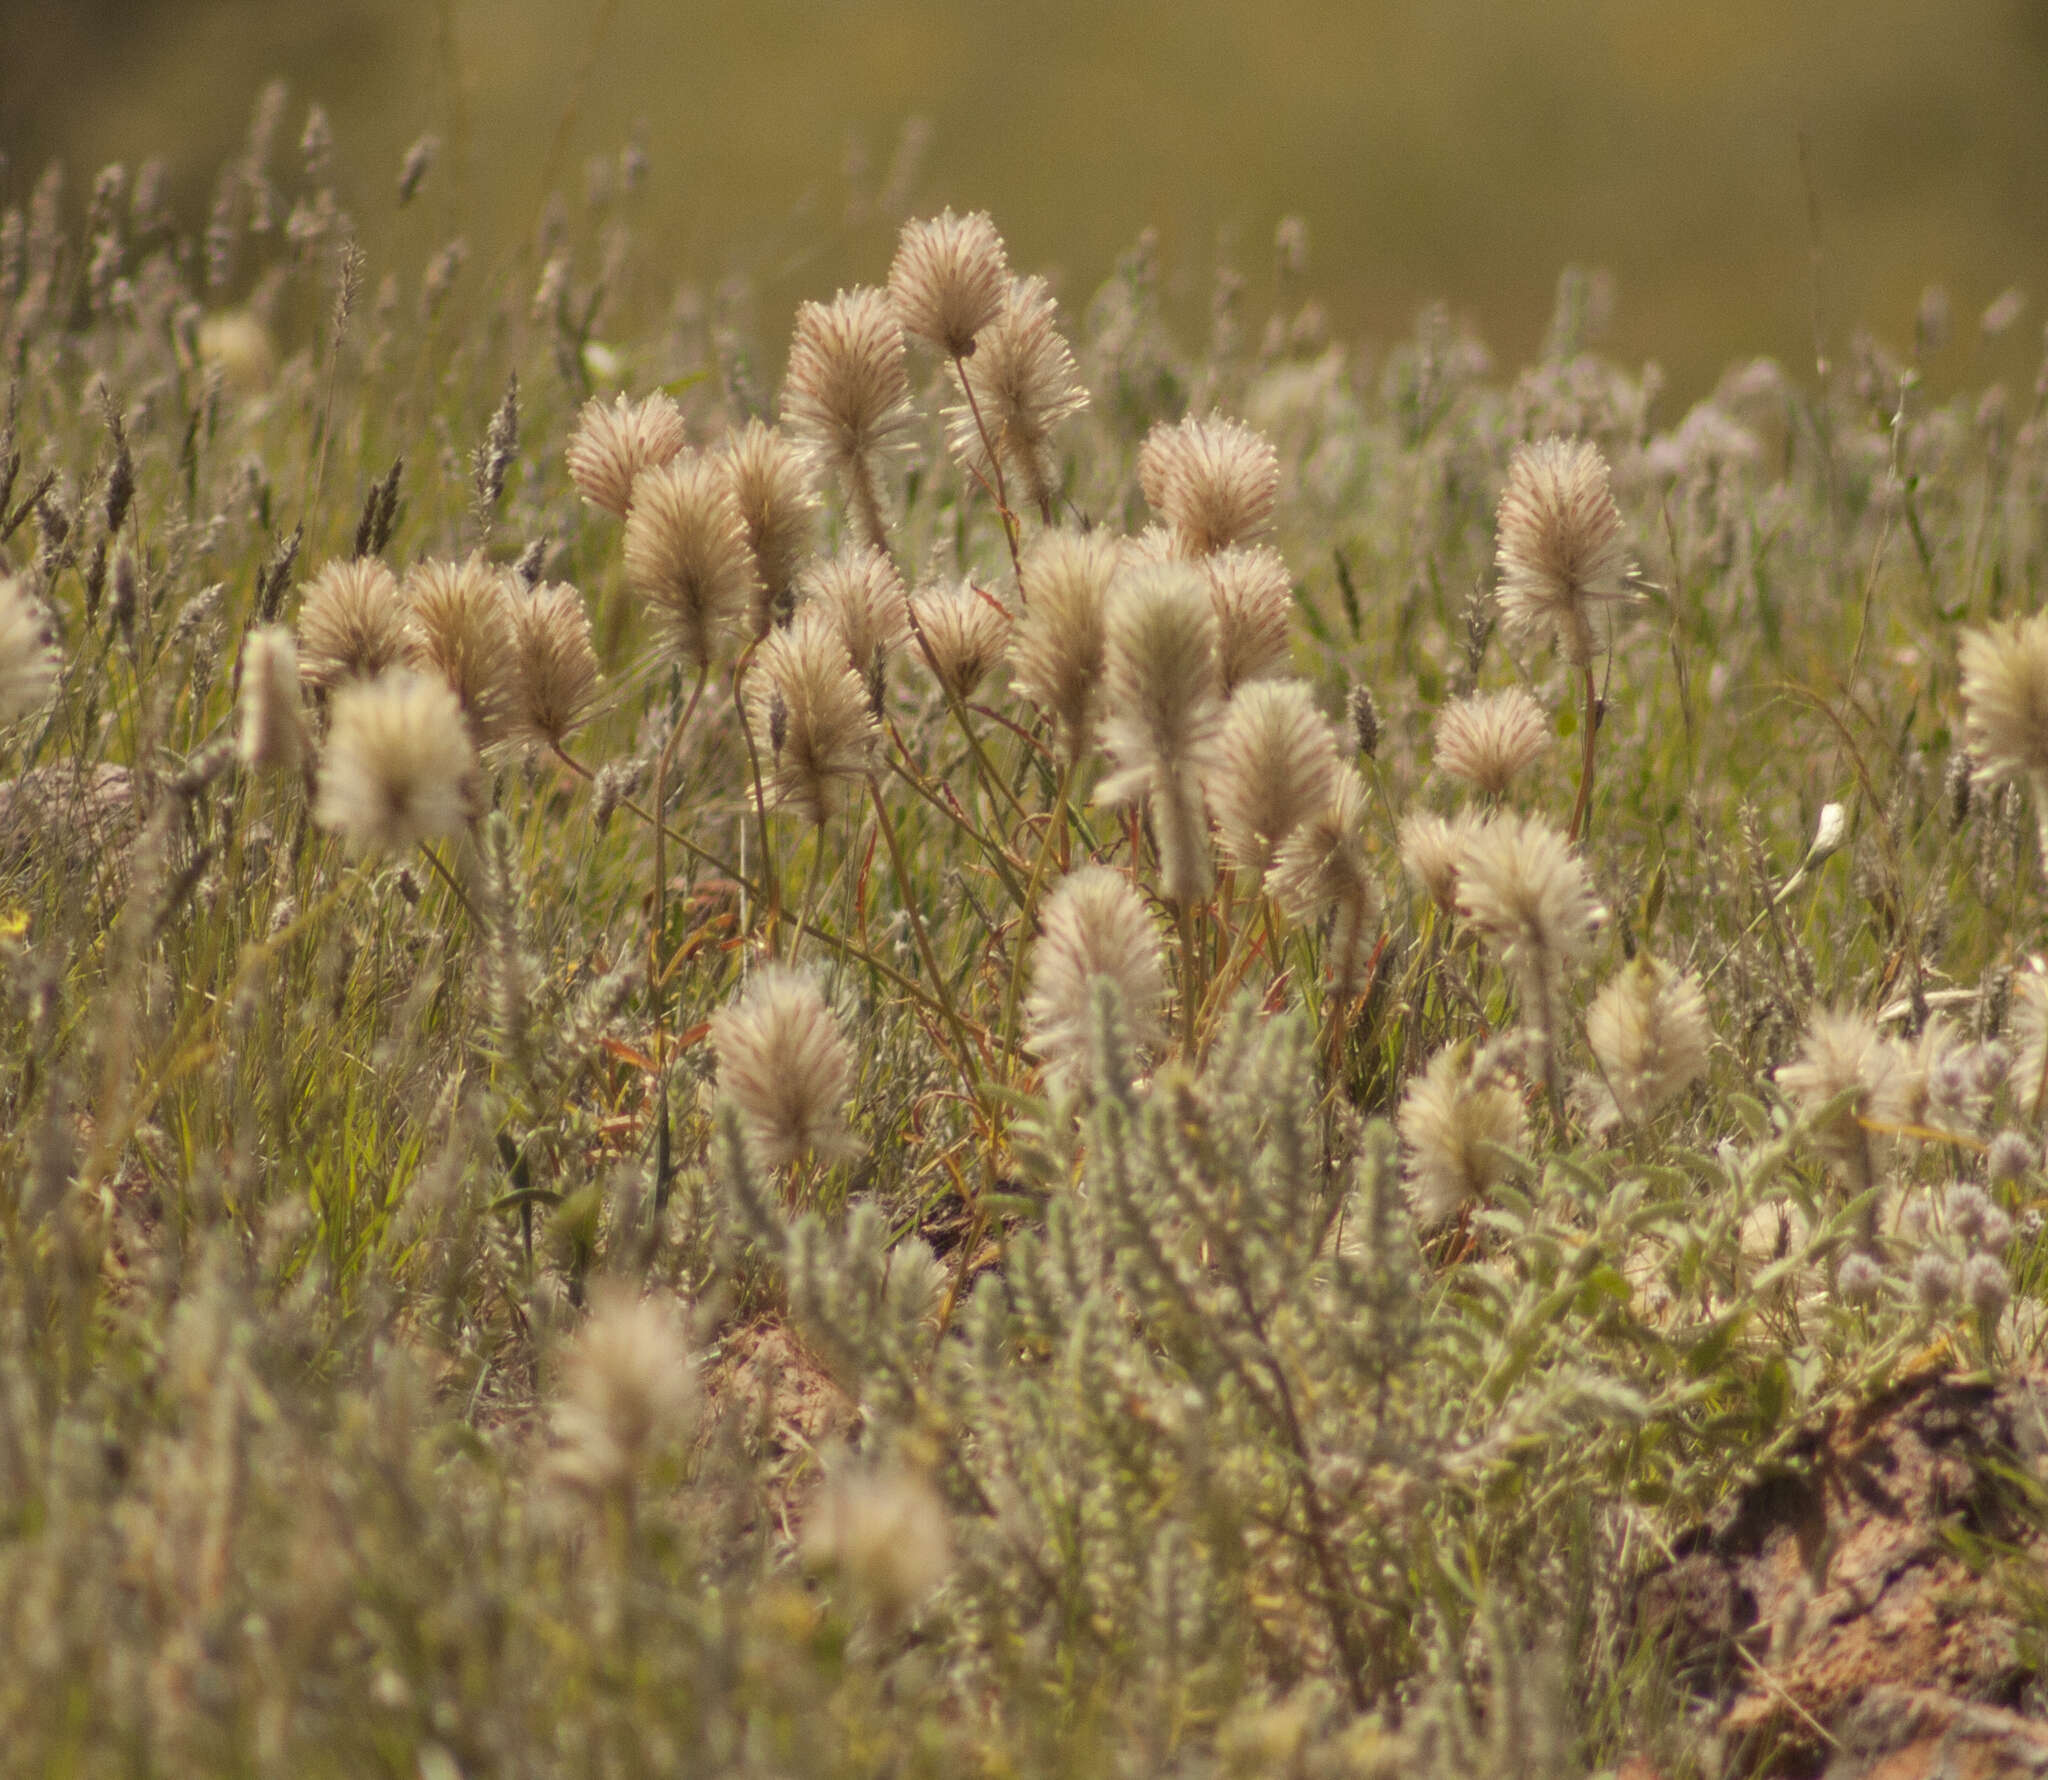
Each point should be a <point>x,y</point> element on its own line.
<point>613,444</point>
<point>687,554</point>
<point>29,661</point>
<point>1213,481</point>
<point>950,279</point>
<point>352,624</point>
<point>1561,550</point>
<point>398,768</point>
<point>784,1065</point>
<point>1486,739</point>
<point>1454,1121</point>
<point>1649,1033</point>
<point>1095,926</point>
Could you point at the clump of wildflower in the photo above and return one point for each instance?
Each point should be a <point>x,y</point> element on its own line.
<point>861,592</point>
<point>1061,642</point>
<point>399,769</point>
<point>846,396</point>
<point>352,625</point>
<point>2005,706</point>
<point>962,632</point>
<point>270,731</point>
<point>1213,481</point>
<point>1844,1059</point>
<point>885,1531</point>
<point>29,661</point>
<point>1432,849</point>
<point>1934,1280</point>
<point>1561,548</point>
<point>462,617</point>
<point>1095,926</point>
<point>554,663</point>
<point>1165,710</point>
<point>1322,869</point>
<point>1486,739</point>
<point>784,1065</point>
<point>1649,1033</point>
<point>1276,767</point>
<point>687,554</point>
<point>1023,382</point>
<point>950,280</point>
<point>771,486</point>
<point>809,713</point>
<point>613,444</point>
<point>1254,599</point>
<point>1455,1120</point>
<point>628,1391</point>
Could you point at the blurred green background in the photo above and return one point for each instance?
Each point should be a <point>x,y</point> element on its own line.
<point>1465,149</point>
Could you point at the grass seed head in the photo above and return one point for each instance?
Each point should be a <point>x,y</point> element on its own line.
<point>845,395</point>
<point>964,634</point>
<point>1095,925</point>
<point>1061,642</point>
<point>555,665</point>
<point>1649,1033</point>
<point>353,625</point>
<point>860,591</point>
<point>1254,599</point>
<point>462,617</point>
<point>1525,890</point>
<point>1454,1119</point>
<point>1214,481</point>
<point>771,485</point>
<point>29,659</point>
<point>398,769</point>
<point>687,555</point>
<point>1432,849</point>
<point>270,729</point>
<point>784,1065</point>
<point>1561,548</point>
<point>613,443</point>
<point>950,280</point>
<point>812,723</point>
<point>1024,383</point>
<point>1276,768</point>
<point>1488,738</point>
<point>2005,699</point>
<point>628,1391</point>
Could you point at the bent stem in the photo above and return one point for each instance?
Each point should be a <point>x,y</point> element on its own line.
<point>924,944</point>
<point>660,928</point>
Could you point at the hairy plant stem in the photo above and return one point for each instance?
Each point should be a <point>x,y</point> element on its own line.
<point>660,927</point>
<point>999,493</point>
<point>1582,808</point>
<point>1055,829</point>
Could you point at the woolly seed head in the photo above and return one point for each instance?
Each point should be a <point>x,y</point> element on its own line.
<point>687,554</point>
<point>2005,699</point>
<point>784,1065</point>
<point>1165,704</point>
<point>1561,550</point>
<point>950,279</point>
<point>771,486</point>
<point>1649,1033</point>
<point>554,664</point>
<point>1453,1122</point>
<point>964,633</point>
<point>846,396</point>
<point>1525,889</point>
<point>398,768</point>
<point>1061,642</point>
<point>1276,767</point>
<point>2029,1026</point>
<point>1486,739</point>
<point>1024,382</point>
<point>1254,599</point>
<point>1842,1053</point>
<point>352,624</point>
<point>29,661</point>
<point>461,616</point>
<point>270,729</point>
<point>1213,481</point>
<point>1322,868</point>
<point>1095,925</point>
<point>885,1531</point>
<point>1432,851</point>
<point>1165,697</point>
<point>861,592</point>
<point>627,1390</point>
<point>809,713</point>
<point>613,444</point>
